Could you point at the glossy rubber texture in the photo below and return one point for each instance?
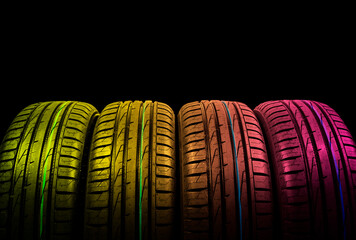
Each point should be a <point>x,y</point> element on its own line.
<point>126,143</point>
<point>41,159</point>
<point>209,147</point>
<point>314,164</point>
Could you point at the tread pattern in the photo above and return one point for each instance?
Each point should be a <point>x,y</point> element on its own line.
<point>112,207</point>
<point>208,173</point>
<point>22,159</point>
<point>306,138</point>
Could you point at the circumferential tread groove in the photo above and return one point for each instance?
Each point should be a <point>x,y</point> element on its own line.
<point>68,172</point>
<point>114,173</point>
<point>305,150</point>
<point>48,135</point>
<point>208,174</point>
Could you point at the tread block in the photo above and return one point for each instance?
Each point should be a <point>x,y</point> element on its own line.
<point>128,134</point>
<point>208,185</point>
<point>304,138</point>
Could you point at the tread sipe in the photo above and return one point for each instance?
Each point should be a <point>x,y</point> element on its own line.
<point>131,173</point>
<point>313,157</point>
<point>226,190</point>
<point>40,170</point>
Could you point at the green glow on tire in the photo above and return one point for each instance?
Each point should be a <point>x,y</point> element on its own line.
<point>45,167</point>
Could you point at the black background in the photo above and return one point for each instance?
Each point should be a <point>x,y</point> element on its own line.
<point>177,58</point>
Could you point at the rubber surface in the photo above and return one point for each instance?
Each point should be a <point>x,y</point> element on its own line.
<point>286,170</point>
<point>132,167</point>
<point>40,171</point>
<point>212,136</point>
<point>314,163</point>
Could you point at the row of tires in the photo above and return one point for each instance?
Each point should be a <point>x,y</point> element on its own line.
<point>286,169</point>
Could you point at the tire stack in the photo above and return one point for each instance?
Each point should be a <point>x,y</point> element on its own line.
<point>220,170</point>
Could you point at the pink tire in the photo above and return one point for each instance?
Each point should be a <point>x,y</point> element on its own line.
<point>313,161</point>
